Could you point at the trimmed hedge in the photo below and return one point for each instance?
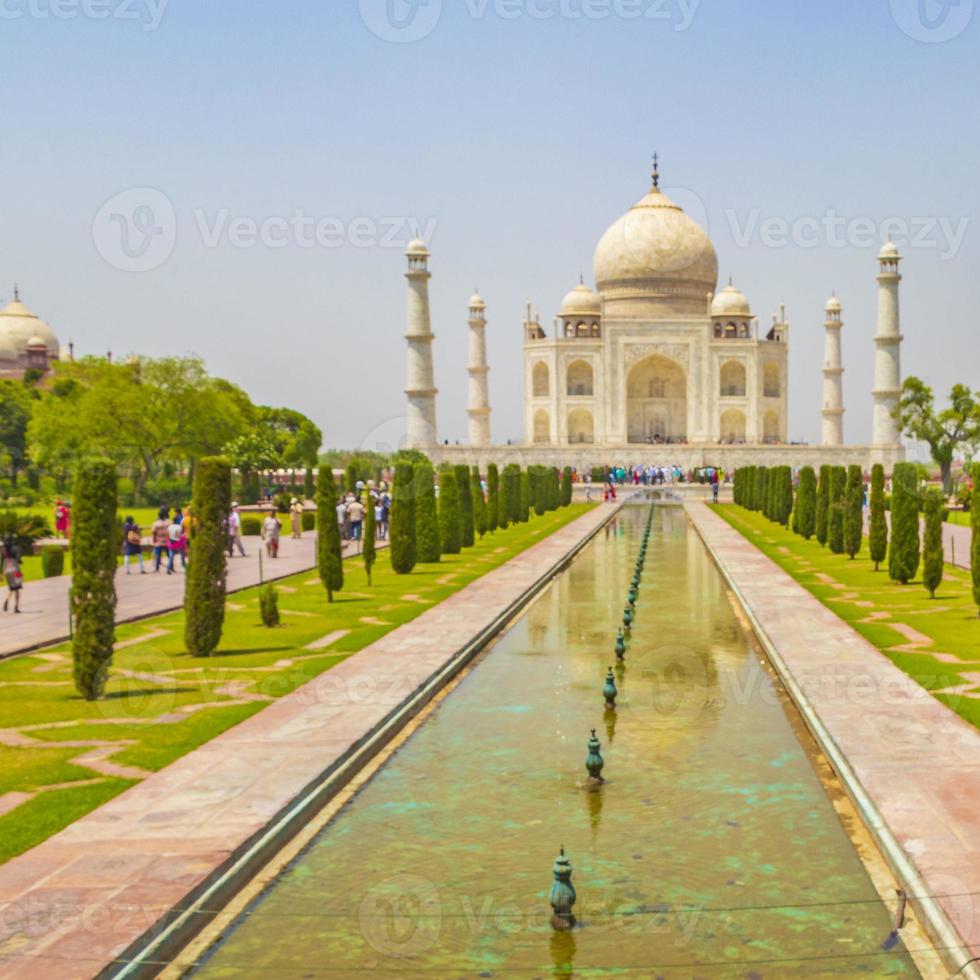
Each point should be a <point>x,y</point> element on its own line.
<point>426,515</point>
<point>853,510</point>
<point>269,606</point>
<point>493,498</point>
<point>329,550</point>
<point>903,551</point>
<point>806,503</point>
<point>479,503</point>
<point>450,527</point>
<point>932,548</point>
<point>822,517</point>
<point>52,561</point>
<point>466,527</point>
<point>402,546</point>
<point>878,526</point>
<point>309,520</point>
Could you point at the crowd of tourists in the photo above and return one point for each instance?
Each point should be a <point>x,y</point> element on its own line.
<point>352,509</point>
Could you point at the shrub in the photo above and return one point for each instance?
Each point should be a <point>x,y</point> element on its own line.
<point>251,525</point>
<point>269,606</point>
<point>309,520</point>
<point>878,524</point>
<point>450,529</point>
<point>26,529</point>
<point>204,592</point>
<point>426,517</point>
<point>282,502</point>
<point>806,503</point>
<point>599,474</point>
<point>369,545</point>
<point>466,528</point>
<point>479,503</point>
<point>329,550</point>
<point>94,544</point>
<point>822,516</point>
<point>493,499</point>
<point>566,486</point>
<point>52,561</point>
<point>402,545</point>
<point>932,547</point>
<point>903,552</point>
<point>853,510</point>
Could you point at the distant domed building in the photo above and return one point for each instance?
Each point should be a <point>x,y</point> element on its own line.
<point>26,341</point>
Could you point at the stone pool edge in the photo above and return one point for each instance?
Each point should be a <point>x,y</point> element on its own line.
<point>944,934</point>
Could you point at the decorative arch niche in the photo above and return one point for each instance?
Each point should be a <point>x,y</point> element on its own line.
<point>656,401</point>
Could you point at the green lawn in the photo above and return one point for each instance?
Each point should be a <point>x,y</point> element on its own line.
<point>960,517</point>
<point>161,703</point>
<point>944,650</point>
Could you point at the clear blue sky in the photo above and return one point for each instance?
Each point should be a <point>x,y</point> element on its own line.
<point>522,139</point>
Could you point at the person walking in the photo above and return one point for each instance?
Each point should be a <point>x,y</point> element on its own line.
<point>271,529</point>
<point>176,542</point>
<point>12,573</point>
<point>342,519</point>
<point>132,544</point>
<point>235,532</point>
<point>62,519</point>
<point>296,510</point>
<point>355,512</point>
<point>159,537</point>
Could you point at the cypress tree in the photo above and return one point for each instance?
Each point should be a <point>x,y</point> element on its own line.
<point>94,545</point>
<point>309,487</point>
<point>975,539</point>
<point>524,497</point>
<point>566,486</point>
<point>536,489</point>
<point>353,475</point>
<point>426,516</point>
<point>493,499</point>
<point>511,496</point>
<point>467,530</point>
<point>932,546</point>
<point>450,530</point>
<point>761,489</point>
<point>737,486</point>
<point>835,513</point>
<point>554,488</point>
<point>479,503</point>
<point>806,503</point>
<point>822,514</point>
<point>204,587</point>
<point>269,606</point>
<point>878,527</point>
<point>370,545</point>
<point>402,544</point>
<point>853,510</point>
<point>903,552</point>
<point>329,550</point>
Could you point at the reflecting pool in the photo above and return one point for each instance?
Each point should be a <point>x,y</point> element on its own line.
<point>711,850</point>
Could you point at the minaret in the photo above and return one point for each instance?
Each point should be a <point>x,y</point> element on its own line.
<point>479,402</point>
<point>888,347</point>
<point>833,377</point>
<point>421,389</point>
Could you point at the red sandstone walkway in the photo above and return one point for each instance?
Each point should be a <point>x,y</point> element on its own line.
<point>44,604</point>
<point>956,540</point>
<point>917,762</point>
<point>73,904</point>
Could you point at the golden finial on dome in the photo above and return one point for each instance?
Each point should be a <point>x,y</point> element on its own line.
<point>656,172</point>
<point>16,293</point>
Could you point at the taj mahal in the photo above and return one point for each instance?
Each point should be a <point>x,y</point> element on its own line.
<point>656,364</point>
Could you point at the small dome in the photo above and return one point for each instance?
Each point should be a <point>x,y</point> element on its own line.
<point>477,303</point>
<point>731,301</point>
<point>36,342</point>
<point>581,301</point>
<point>416,247</point>
<point>889,251</point>
<point>19,327</point>
<point>833,305</point>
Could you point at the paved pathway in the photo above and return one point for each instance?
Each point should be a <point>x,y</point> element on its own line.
<point>915,764</point>
<point>44,617</point>
<point>73,904</point>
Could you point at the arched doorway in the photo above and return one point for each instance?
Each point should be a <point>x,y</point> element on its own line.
<point>580,379</point>
<point>656,408</point>
<point>581,427</point>
<point>732,429</point>
<point>542,427</point>
<point>541,380</point>
<point>733,383</point>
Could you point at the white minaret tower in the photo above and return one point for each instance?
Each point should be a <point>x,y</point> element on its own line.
<point>479,402</point>
<point>888,350</point>
<point>833,376</point>
<point>420,389</point>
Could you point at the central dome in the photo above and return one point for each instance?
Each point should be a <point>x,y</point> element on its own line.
<point>657,261</point>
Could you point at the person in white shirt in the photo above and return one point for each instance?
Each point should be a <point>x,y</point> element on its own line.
<point>235,532</point>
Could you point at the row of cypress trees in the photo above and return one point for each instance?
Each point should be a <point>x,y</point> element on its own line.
<point>768,490</point>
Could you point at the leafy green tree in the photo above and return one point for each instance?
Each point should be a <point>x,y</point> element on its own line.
<point>566,486</point>
<point>878,522</point>
<point>944,432</point>
<point>450,525</point>
<point>903,551</point>
<point>524,497</point>
<point>426,517</point>
<point>932,547</point>
<point>93,594</point>
<point>822,517</point>
<point>806,503</point>
<point>853,510</point>
<point>403,546</point>
<point>370,550</point>
<point>204,590</point>
<point>329,549</point>
<point>479,503</point>
<point>467,529</point>
<point>494,515</point>
<point>16,405</point>
<point>835,513</point>
<point>251,454</point>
